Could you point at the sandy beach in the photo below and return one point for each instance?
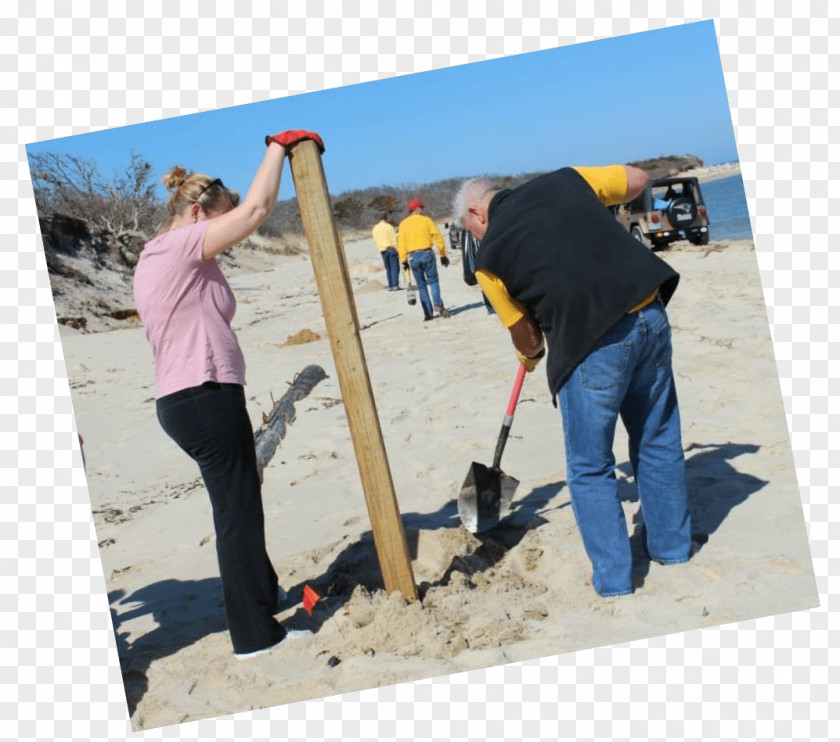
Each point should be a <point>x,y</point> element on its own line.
<point>519,592</point>
<point>714,172</point>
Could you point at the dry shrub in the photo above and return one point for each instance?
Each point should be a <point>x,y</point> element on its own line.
<point>301,337</point>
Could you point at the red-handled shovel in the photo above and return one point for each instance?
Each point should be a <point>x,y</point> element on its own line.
<point>487,491</point>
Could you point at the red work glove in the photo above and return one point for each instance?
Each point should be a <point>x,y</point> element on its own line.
<point>289,138</point>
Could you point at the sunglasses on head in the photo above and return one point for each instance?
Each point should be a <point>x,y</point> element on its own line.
<point>217,182</point>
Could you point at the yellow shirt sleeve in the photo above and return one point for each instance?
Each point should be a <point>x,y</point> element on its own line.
<point>509,310</point>
<point>401,246</point>
<point>608,182</point>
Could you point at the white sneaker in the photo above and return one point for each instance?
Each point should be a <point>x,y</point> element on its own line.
<point>291,635</point>
<point>249,655</point>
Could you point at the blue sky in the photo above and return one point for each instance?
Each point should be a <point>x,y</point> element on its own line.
<point>614,100</point>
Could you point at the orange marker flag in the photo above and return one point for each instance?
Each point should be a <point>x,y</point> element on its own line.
<point>310,598</point>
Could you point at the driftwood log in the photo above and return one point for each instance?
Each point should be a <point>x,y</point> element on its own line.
<point>271,432</point>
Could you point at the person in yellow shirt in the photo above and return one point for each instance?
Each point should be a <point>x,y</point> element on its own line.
<point>571,285</point>
<point>385,239</point>
<point>417,234</point>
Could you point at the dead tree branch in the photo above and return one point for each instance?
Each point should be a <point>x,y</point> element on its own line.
<point>273,429</point>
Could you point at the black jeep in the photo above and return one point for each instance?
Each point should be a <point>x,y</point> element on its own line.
<point>669,209</point>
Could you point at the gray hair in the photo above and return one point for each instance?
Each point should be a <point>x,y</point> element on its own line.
<point>471,192</point>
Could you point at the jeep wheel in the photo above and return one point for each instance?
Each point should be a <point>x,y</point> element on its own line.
<point>682,212</point>
<point>700,239</point>
<point>637,234</point>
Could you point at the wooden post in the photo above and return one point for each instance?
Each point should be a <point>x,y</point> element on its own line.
<point>335,290</point>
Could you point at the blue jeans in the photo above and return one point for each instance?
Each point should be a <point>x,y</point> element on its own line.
<point>627,374</point>
<point>424,270</point>
<point>392,266</point>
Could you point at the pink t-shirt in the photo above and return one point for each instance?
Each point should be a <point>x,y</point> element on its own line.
<point>186,306</point>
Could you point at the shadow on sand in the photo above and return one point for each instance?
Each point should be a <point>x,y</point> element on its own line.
<point>715,487</point>
<point>187,611</point>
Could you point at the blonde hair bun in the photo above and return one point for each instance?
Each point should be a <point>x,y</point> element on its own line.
<point>175,178</point>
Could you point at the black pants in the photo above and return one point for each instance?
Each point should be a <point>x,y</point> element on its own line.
<point>211,424</point>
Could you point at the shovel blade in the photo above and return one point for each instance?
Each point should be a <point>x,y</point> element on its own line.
<point>485,497</point>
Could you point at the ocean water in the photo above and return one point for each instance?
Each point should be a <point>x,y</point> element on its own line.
<point>726,203</point>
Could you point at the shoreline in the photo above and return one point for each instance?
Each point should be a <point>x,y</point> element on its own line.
<point>709,173</point>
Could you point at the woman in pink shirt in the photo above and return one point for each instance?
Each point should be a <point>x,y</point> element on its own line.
<point>186,306</point>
